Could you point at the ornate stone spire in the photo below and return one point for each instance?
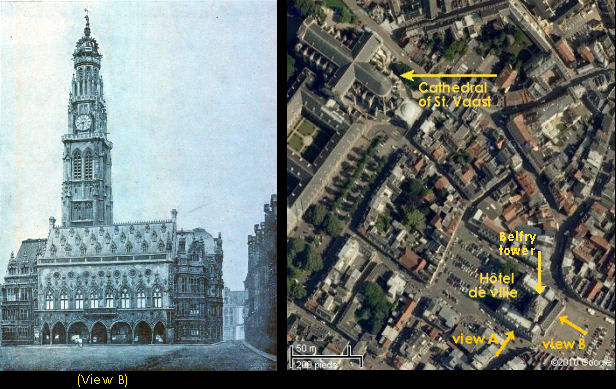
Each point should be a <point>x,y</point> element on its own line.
<point>86,30</point>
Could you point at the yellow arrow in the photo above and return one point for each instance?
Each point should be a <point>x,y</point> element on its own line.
<point>510,336</point>
<point>410,75</point>
<point>539,288</point>
<point>563,320</point>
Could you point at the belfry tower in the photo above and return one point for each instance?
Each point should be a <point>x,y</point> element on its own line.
<point>86,187</point>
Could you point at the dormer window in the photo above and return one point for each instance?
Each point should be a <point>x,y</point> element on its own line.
<point>182,245</point>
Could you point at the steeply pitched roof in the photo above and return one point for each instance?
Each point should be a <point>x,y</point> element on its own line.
<point>122,239</point>
<point>28,251</point>
<point>353,64</point>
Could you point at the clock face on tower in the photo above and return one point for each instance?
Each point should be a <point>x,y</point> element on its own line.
<point>83,122</point>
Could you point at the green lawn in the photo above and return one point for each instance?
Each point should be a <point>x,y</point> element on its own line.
<point>296,143</point>
<point>307,128</point>
<point>521,42</point>
<point>334,3</point>
<point>343,13</point>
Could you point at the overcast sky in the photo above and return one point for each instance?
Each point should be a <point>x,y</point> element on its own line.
<point>190,90</point>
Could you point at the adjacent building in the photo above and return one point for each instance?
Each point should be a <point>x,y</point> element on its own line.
<point>261,282</point>
<point>234,304</point>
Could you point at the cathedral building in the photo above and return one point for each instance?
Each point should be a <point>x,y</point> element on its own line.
<point>95,281</point>
<point>260,328</point>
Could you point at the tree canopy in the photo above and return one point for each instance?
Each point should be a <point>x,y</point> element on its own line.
<point>290,66</point>
<point>316,214</point>
<point>308,7</point>
<point>375,308</point>
<point>295,290</point>
<point>295,247</point>
<point>310,259</point>
<point>414,187</point>
<point>415,219</point>
<point>332,225</point>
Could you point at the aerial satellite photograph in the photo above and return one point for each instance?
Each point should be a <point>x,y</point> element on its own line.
<point>450,184</point>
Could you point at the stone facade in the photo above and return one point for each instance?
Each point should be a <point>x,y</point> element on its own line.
<point>19,294</point>
<point>261,282</point>
<point>234,312</point>
<point>98,282</point>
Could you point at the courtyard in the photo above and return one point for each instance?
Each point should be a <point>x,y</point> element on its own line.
<point>308,139</point>
<point>230,355</point>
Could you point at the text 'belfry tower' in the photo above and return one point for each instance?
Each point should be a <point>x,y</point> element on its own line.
<point>86,187</point>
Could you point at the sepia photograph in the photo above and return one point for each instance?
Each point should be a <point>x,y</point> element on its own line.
<point>138,185</point>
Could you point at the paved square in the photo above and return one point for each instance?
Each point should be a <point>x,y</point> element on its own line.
<point>222,356</point>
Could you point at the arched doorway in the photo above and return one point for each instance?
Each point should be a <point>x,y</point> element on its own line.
<point>99,334</point>
<point>58,334</point>
<point>78,333</point>
<point>46,335</point>
<point>143,333</point>
<point>159,333</point>
<point>121,333</point>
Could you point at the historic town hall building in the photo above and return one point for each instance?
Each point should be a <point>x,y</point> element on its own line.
<point>95,281</point>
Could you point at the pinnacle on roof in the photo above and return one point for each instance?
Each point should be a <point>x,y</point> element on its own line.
<point>87,45</point>
<point>86,30</point>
